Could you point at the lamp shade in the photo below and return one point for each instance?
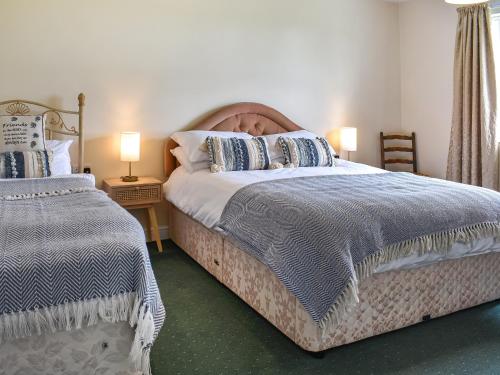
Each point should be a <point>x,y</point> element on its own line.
<point>348,139</point>
<point>130,146</point>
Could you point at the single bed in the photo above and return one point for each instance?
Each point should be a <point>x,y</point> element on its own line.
<point>77,293</point>
<point>398,293</point>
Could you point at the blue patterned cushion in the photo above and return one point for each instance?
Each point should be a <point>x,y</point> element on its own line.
<point>237,154</point>
<point>27,164</point>
<point>305,152</point>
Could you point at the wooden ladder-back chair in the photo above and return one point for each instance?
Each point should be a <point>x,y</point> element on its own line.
<point>392,148</point>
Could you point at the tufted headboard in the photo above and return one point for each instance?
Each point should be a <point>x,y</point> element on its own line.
<point>253,118</point>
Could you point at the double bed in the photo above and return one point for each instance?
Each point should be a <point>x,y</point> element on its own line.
<point>77,292</point>
<point>401,285</point>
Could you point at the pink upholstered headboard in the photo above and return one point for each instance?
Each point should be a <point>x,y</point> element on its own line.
<point>253,118</point>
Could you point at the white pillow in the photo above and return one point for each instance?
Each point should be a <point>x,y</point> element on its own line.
<point>61,162</point>
<point>193,140</point>
<point>275,152</point>
<point>184,161</point>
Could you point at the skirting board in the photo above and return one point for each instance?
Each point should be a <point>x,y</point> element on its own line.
<point>163,229</point>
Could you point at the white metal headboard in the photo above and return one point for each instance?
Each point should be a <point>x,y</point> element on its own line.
<point>54,119</point>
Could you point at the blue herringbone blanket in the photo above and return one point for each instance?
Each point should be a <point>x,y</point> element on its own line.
<point>320,235</point>
<point>69,256</point>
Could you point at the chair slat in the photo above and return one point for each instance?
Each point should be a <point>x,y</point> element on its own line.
<point>398,149</point>
<point>398,136</point>
<point>398,161</point>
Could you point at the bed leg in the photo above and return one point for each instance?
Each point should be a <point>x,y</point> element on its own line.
<point>317,355</point>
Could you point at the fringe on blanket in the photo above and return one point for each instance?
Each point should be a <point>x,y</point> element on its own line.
<point>437,242</point>
<point>75,315</point>
<point>45,194</point>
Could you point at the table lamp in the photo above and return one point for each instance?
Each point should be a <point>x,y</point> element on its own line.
<point>348,140</point>
<point>130,149</point>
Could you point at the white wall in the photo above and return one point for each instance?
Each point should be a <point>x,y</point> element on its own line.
<point>157,65</point>
<point>427,30</point>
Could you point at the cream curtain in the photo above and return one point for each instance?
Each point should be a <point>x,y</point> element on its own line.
<point>472,153</point>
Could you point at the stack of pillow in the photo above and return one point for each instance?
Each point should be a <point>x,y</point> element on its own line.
<point>25,153</point>
<point>231,151</point>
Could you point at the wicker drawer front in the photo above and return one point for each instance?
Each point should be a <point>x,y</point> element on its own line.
<point>138,195</point>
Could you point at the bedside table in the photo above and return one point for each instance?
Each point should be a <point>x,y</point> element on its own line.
<point>141,194</point>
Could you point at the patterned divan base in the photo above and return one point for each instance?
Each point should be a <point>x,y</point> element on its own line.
<point>100,349</point>
<point>388,301</point>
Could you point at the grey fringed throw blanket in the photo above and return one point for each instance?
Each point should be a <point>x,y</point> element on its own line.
<point>320,235</point>
<point>70,256</point>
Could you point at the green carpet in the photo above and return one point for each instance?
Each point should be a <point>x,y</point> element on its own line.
<point>209,330</point>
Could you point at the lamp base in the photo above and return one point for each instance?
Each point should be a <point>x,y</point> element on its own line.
<point>129,178</point>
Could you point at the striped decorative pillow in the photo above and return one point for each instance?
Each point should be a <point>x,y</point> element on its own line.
<point>304,152</point>
<point>26,164</point>
<point>237,154</point>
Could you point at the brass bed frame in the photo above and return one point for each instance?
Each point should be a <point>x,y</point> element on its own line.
<point>387,301</point>
<point>54,119</point>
